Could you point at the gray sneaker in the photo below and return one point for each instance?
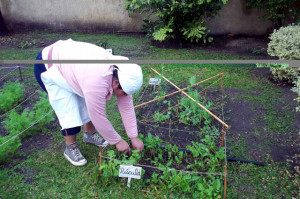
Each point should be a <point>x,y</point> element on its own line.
<point>95,139</point>
<point>73,155</point>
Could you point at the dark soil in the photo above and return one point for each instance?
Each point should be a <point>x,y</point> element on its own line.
<point>30,144</point>
<point>173,131</point>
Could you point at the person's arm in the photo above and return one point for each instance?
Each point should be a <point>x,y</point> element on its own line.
<point>125,105</point>
<point>96,102</point>
<point>96,109</point>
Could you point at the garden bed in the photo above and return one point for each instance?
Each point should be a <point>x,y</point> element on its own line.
<point>184,145</point>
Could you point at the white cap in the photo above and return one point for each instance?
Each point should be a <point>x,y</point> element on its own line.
<point>130,76</point>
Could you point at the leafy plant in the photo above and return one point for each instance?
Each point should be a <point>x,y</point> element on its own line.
<point>258,51</point>
<point>180,20</point>
<point>40,109</point>
<point>204,156</point>
<point>272,65</point>
<point>10,95</point>
<point>16,123</point>
<point>276,11</point>
<point>191,113</point>
<point>102,44</point>
<point>296,89</point>
<point>159,117</point>
<point>285,43</point>
<point>282,72</point>
<point>285,74</point>
<point>27,44</point>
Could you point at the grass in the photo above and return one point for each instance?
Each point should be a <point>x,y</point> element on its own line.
<point>46,173</point>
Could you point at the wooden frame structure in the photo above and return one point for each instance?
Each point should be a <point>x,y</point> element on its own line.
<point>182,91</point>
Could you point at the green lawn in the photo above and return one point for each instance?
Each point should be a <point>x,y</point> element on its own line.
<point>46,173</point>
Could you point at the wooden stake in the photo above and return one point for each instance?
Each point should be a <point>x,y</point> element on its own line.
<point>209,85</point>
<point>100,160</point>
<point>222,139</point>
<point>20,73</point>
<point>223,136</point>
<point>178,106</point>
<point>225,182</point>
<point>222,83</point>
<point>200,119</point>
<point>158,89</point>
<point>177,91</point>
<point>170,128</point>
<point>192,99</point>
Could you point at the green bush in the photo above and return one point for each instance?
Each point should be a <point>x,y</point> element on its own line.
<point>276,10</point>
<point>10,95</point>
<point>272,65</point>
<point>282,72</point>
<point>297,90</point>
<point>180,20</point>
<point>285,43</point>
<point>285,74</point>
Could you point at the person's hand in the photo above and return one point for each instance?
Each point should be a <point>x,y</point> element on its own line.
<point>137,144</point>
<point>123,147</point>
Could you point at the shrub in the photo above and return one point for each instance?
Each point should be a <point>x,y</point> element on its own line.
<point>285,74</point>
<point>276,11</point>
<point>180,20</point>
<point>297,90</point>
<point>285,42</point>
<point>10,95</point>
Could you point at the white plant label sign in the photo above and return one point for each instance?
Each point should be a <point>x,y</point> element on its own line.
<point>109,50</point>
<point>130,172</point>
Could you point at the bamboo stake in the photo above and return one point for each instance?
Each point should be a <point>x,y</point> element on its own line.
<point>222,139</point>
<point>200,119</point>
<point>178,106</point>
<point>192,99</point>
<point>170,128</point>
<point>177,91</point>
<point>223,135</point>
<point>222,83</point>
<point>100,160</point>
<point>158,89</point>
<point>209,85</point>
<point>225,182</point>
<point>20,73</point>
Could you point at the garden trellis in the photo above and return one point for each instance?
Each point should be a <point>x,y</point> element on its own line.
<point>146,122</point>
<point>182,92</point>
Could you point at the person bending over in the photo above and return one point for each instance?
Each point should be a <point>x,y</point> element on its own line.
<point>78,95</point>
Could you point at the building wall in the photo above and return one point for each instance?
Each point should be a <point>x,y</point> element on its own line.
<point>111,15</point>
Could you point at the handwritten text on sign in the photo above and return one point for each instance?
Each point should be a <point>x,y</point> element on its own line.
<point>130,172</point>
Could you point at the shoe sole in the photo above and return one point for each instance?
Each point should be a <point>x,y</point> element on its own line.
<point>105,144</point>
<point>73,162</point>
